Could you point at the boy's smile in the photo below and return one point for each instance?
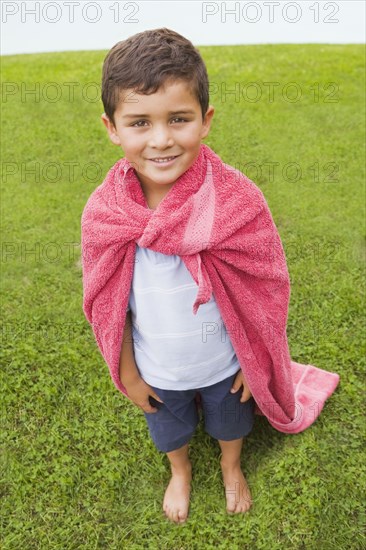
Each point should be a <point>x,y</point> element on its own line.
<point>160,134</point>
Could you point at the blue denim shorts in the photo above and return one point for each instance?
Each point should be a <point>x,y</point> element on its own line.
<point>173,425</point>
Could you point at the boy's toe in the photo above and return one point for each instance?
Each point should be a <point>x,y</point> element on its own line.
<point>242,507</point>
<point>182,517</point>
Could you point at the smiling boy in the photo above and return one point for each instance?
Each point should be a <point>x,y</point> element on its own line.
<point>179,251</point>
<point>156,100</point>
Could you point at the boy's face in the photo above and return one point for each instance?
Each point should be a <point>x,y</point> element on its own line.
<point>160,133</point>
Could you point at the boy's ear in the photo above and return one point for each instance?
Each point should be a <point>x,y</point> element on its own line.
<point>112,132</point>
<point>206,124</point>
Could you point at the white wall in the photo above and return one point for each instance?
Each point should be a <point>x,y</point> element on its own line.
<point>41,26</point>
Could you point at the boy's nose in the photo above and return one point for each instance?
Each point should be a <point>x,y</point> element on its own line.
<point>161,138</point>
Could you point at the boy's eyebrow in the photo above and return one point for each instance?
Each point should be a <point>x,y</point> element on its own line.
<point>182,112</point>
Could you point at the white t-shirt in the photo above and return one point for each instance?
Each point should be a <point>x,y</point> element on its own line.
<point>175,349</point>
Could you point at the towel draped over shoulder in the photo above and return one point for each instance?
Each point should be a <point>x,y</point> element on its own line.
<point>218,221</point>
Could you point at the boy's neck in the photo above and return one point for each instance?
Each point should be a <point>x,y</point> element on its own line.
<point>154,195</point>
<point>153,200</point>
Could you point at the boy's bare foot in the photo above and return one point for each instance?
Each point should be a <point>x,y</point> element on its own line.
<point>238,496</point>
<point>176,498</point>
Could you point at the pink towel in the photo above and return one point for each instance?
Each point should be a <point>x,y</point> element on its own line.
<point>218,221</point>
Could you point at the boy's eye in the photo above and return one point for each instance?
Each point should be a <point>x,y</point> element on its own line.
<point>178,119</point>
<point>138,123</point>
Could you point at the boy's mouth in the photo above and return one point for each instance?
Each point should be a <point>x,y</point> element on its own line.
<point>164,160</point>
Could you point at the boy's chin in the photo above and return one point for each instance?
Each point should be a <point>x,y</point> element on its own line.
<point>151,180</point>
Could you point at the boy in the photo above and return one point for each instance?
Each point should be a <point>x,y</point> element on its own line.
<point>171,217</point>
<point>160,132</point>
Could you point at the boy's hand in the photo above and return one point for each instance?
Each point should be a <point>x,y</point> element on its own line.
<point>138,391</point>
<point>238,382</point>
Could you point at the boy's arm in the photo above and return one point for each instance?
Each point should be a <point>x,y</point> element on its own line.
<point>127,365</point>
<point>137,389</point>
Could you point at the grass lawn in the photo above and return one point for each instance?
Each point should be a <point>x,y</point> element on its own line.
<point>79,470</point>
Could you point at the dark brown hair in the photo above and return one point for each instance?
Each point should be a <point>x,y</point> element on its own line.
<point>145,61</point>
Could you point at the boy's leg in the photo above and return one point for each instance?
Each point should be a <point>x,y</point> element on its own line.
<point>171,429</point>
<point>231,451</point>
<point>229,421</point>
<point>238,496</point>
<point>176,498</point>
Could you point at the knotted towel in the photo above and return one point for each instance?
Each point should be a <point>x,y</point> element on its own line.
<point>218,221</point>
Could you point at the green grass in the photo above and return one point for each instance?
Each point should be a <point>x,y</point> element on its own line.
<point>79,469</point>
